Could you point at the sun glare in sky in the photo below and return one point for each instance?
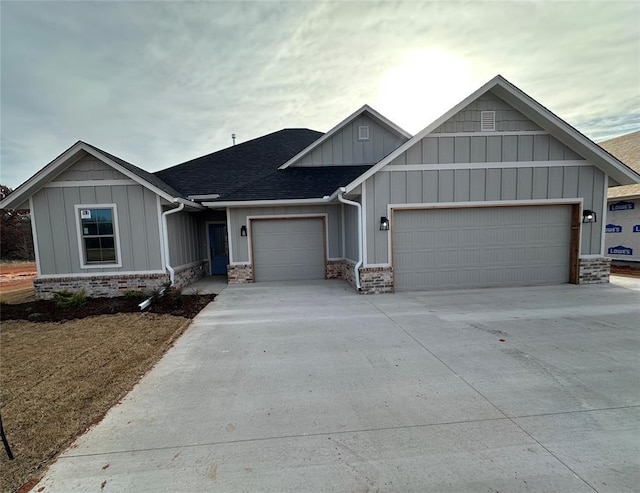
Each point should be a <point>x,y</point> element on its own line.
<point>424,85</point>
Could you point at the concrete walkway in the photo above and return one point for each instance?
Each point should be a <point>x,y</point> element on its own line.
<point>312,387</point>
<point>207,285</point>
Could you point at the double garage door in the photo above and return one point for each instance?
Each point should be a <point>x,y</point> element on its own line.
<point>481,247</point>
<point>288,249</point>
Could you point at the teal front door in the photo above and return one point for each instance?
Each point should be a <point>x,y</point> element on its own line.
<point>218,249</point>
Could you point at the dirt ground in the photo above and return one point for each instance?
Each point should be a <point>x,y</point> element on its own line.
<point>47,311</point>
<point>16,281</point>
<point>57,379</point>
<point>625,270</point>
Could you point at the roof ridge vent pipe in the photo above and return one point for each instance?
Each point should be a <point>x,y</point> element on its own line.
<point>358,206</point>
<point>165,238</point>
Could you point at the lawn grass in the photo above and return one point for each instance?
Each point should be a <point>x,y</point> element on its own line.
<point>21,295</point>
<point>57,379</point>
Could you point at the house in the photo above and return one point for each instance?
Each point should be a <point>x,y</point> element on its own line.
<point>498,191</point>
<point>622,228</point>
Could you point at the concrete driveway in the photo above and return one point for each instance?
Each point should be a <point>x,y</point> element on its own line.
<point>312,387</point>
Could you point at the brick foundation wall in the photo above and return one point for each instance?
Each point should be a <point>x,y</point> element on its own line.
<point>376,280</point>
<point>349,272</point>
<point>189,275</point>
<point>334,269</point>
<point>240,274</point>
<point>99,286</point>
<point>594,270</point>
<point>373,280</point>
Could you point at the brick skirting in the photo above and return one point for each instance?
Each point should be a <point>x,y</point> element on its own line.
<point>334,269</point>
<point>189,275</point>
<point>376,280</point>
<point>594,270</point>
<point>240,274</point>
<point>373,280</point>
<point>108,286</point>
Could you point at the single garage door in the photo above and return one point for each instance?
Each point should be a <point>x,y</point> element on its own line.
<point>481,247</point>
<point>288,249</point>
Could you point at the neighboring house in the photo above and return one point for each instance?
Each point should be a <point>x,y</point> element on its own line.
<point>498,191</point>
<point>622,229</point>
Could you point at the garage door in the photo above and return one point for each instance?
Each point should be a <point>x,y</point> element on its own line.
<point>288,249</point>
<point>481,247</point>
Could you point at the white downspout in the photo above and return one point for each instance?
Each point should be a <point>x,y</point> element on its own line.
<point>165,237</point>
<point>358,206</point>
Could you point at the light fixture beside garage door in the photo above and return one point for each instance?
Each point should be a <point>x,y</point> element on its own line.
<point>589,216</point>
<point>384,224</point>
<point>243,230</point>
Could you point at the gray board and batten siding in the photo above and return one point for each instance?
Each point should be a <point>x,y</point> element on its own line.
<point>481,185</point>
<point>55,223</point>
<point>486,149</point>
<point>187,240</point>
<point>351,231</point>
<point>344,147</point>
<point>239,245</point>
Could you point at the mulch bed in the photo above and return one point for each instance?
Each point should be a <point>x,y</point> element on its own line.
<point>187,306</point>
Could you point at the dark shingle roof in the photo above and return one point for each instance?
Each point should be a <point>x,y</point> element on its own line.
<point>234,167</point>
<point>145,175</point>
<point>298,183</point>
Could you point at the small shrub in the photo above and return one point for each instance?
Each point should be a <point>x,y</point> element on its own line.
<point>133,294</point>
<point>69,299</point>
<point>174,296</point>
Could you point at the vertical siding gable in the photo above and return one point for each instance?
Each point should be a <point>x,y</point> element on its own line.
<point>344,148</point>
<point>89,168</point>
<point>485,148</point>
<point>508,119</point>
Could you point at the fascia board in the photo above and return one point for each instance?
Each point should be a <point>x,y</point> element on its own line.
<point>566,133</point>
<point>46,174</point>
<point>24,191</point>
<point>532,109</point>
<point>128,173</point>
<point>396,128</point>
<point>385,121</point>
<point>423,133</point>
<point>254,203</point>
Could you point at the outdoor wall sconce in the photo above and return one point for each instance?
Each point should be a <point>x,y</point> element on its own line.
<point>384,224</point>
<point>589,216</point>
<point>243,230</point>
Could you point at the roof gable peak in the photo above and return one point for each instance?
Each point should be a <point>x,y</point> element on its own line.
<point>384,121</point>
<point>532,109</point>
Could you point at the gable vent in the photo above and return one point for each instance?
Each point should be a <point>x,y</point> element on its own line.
<point>488,121</point>
<point>363,132</point>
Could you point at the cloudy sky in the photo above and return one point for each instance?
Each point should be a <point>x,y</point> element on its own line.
<point>158,83</point>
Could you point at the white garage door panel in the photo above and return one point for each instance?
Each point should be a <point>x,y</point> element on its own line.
<point>476,247</point>
<point>287,250</point>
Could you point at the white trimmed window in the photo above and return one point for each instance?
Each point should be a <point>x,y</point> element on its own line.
<point>98,239</point>
<point>363,132</point>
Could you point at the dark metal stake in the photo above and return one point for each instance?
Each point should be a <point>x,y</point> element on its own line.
<point>5,441</point>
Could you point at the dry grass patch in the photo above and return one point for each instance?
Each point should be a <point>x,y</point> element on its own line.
<point>57,379</point>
